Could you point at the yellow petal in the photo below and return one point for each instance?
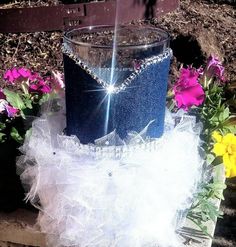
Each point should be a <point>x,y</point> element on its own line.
<point>217,136</point>
<point>219,149</point>
<point>234,140</point>
<point>231,149</point>
<point>227,173</point>
<point>227,161</point>
<point>233,146</point>
<point>232,172</point>
<point>228,139</point>
<point>232,160</point>
<point>234,154</point>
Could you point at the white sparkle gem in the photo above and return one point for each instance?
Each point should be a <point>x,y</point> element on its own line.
<point>110,89</point>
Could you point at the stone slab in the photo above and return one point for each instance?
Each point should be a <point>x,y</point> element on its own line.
<point>19,228</point>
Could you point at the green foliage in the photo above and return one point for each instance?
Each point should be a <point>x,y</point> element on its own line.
<point>16,136</point>
<point>27,101</point>
<point>216,114</point>
<point>14,99</point>
<point>2,126</point>
<point>213,113</point>
<point>22,96</point>
<point>45,98</point>
<point>2,135</point>
<point>204,207</point>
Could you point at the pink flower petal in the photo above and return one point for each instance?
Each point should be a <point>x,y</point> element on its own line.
<point>45,89</point>
<point>40,87</point>
<point>33,87</point>
<point>187,90</point>
<point>5,107</point>
<point>214,68</point>
<point>58,80</point>
<point>11,111</point>
<point>15,73</point>
<point>189,97</point>
<point>8,76</point>
<point>24,73</point>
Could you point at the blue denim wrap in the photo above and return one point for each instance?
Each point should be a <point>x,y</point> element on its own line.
<point>130,110</point>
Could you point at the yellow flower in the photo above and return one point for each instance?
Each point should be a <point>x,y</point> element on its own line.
<point>217,136</point>
<point>225,146</point>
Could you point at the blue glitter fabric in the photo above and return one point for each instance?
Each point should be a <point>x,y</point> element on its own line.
<point>130,110</point>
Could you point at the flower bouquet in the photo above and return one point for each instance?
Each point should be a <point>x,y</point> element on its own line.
<point>22,92</point>
<point>205,93</point>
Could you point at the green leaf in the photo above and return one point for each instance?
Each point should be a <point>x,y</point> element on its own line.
<point>14,99</point>
<point>223,113</point>
<point>16,136</point>
<point>219,174</point>
<point>226,113</point>
<point>2,126</point>
<point>28,103</point>
<point>2,137</point>
<point>210,158</point>
<point>44,98</point>
<point>217,161</point>
<point>28,133</point>
<point>229,129</point>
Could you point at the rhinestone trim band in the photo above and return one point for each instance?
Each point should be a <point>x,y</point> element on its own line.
<point>72,145</point>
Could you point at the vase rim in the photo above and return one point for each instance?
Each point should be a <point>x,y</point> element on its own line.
<point>163,35</point>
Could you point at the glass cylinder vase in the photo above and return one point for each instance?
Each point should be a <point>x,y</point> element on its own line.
<point>116,79</point>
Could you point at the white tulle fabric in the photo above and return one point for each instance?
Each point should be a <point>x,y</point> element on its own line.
<point>91,197</point>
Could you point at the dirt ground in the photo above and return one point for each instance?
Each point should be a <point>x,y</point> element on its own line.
<point>197,29</point>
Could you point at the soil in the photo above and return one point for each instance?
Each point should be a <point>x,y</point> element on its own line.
<point>129,36</point>
<point>197,29</point>
<point>201,28</point>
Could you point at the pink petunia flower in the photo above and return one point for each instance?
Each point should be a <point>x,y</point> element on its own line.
<point>188,91</point>
<point>5,107</point>
<point>15,75</point>
<point>9,76</point>
<point>58,80</point>
<point>214,68</point>
<point>11,111</point>
<point>40,87</point>
<point>25,73</point>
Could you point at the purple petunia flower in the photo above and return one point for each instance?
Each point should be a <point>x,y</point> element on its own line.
<point>10,110</point>
<point>214,68</point>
